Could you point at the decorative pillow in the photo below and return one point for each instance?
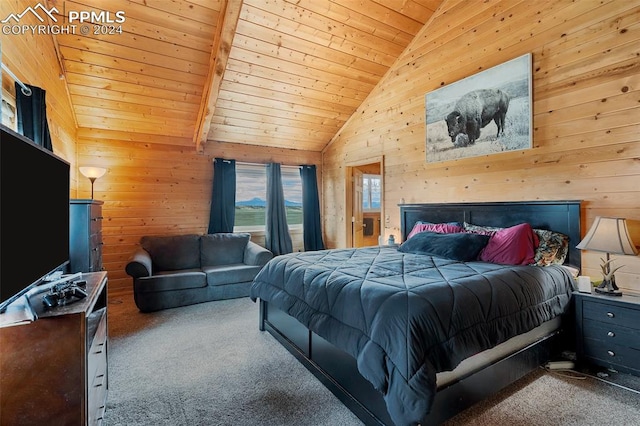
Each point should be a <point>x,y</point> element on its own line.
<point>553,248</point>
<point>433,223</point>
<point>515,245</point>
<point>441,228</point>
<point>460,246</point>
<point>479,229</point>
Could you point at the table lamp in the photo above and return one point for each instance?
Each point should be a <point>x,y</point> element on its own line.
<point>609,235</point>
<point>92,173</point>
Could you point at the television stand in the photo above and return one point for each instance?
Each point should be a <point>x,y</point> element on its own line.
<point>54,368</point>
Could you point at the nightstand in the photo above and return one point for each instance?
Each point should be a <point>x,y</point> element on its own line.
<point>608,331</point>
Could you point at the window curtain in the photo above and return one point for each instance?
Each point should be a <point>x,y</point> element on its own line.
<point>31,112</point>
<point>312,233</point>
<point>223,196</point>
<point>277,238</point>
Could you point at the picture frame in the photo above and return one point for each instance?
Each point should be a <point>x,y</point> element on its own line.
<point>486,113</point>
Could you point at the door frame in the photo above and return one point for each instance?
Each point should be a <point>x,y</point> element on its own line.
<point>349,167</point>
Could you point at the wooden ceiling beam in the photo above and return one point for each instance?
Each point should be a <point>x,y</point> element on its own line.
<point>225,31</point>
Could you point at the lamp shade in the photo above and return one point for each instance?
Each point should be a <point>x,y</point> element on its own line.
<point>92,172</point>
<point>610,235</point>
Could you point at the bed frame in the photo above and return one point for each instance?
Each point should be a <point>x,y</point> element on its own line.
<point>338,371</point>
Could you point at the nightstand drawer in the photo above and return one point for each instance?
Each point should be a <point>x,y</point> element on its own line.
<point>612,355</point>
<point>611,314</point>
<point>611,334</point>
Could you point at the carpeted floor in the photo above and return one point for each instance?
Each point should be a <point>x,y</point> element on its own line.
<point>208,364</point>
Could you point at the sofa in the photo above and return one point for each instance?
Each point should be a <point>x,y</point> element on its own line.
<point>172,271</point>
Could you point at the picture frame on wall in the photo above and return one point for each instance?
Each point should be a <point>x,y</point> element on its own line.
<point>487,113</point>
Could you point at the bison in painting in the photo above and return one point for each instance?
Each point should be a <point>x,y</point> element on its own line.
<point>475,110</point>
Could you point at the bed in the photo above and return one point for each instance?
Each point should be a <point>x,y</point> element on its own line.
<point>405,338</point>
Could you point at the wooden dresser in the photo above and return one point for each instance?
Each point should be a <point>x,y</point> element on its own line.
<point>85,235</point>
<point>608,331</point>
<point>54,370</point>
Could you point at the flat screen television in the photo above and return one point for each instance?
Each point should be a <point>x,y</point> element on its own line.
<point>34,215</point>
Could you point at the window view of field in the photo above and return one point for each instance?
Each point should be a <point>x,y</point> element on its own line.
<point>254,215</point>
<point>251,205</point>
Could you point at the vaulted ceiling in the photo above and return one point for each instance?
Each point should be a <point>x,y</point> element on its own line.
<point>279,73</point>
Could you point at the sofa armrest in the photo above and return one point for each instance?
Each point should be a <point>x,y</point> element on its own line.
<point>256,255</point>
<point>139,264</point>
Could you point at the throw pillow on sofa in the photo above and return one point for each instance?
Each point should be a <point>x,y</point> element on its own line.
<point>223,248</point>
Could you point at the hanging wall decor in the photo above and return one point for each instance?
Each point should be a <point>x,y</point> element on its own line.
<point>486,113</point>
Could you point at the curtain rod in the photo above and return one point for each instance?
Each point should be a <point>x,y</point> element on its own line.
<point>246,163</point>
<point>25,90</point>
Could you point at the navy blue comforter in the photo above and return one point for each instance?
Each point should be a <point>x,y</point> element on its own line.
<point>405,317</point>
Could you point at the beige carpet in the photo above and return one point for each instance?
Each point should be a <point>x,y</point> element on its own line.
<point>208,364</point>
<point>549,398</point>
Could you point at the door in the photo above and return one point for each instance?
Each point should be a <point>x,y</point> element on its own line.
<point>357,219</point>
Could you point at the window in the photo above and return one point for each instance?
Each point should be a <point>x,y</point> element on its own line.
<point>251,190</point>
<point>292,186</point>
<point>251,193</point>
<point>371,192</point>
<point>9,117</point>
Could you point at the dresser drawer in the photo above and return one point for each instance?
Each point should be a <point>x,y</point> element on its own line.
<point>97,369</point>
<point>95,224</point>
<point>97,354</point>
<point>95,212</point>
<point>97,400</point>
<point>95,239</point>
<point>96,260</point>
<point>611,314</point>
<point>611,355</point>
<point>611,334</point>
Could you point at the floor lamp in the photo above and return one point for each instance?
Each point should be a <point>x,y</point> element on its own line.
<point>92,173</point>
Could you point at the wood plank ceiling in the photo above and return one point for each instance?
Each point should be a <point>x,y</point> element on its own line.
<point>278,73</point>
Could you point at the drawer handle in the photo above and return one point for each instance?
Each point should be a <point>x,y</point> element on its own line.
<point>101,377</point>
<point>610,314</point>
<point>611,353</point>
<point>611,334</point>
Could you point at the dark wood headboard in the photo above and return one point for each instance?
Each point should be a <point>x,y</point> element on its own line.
<point>559,216</point>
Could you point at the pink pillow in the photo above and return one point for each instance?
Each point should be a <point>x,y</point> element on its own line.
<point>440,228</point>
<point>511,246</point>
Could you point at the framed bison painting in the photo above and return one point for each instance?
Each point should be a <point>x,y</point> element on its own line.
<point>486,113</point>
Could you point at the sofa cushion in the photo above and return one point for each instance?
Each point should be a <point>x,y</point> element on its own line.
<point>171,280</point>
<point>223,248</point>
<point>170,253</point>
<point>230,274</point>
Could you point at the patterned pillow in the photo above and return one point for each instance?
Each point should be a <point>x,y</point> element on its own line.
<point>480,229</point>
<point>553,248</point>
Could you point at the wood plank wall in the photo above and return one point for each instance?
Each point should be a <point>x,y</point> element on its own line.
<point>155,188</point>
<point>33,60</point>
<point>586,91</point>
